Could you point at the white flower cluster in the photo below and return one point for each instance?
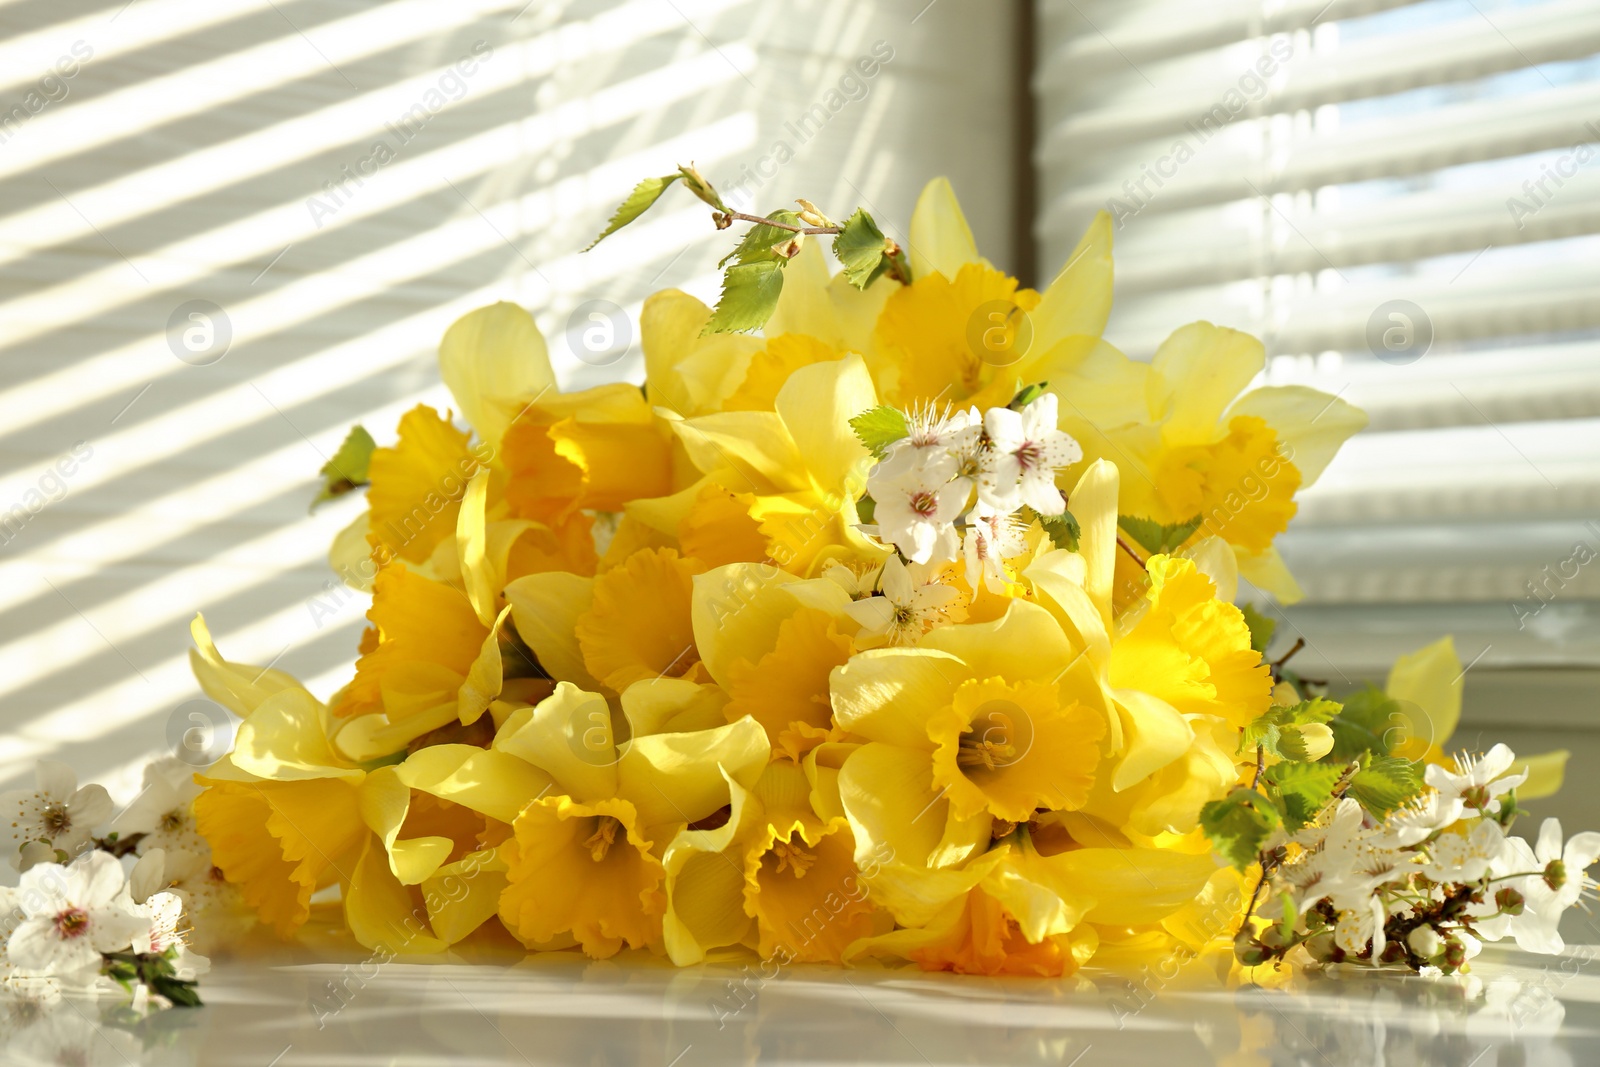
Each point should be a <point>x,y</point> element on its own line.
<point>1428,884</point>
<point>119,906</point>
<point>952,488</point>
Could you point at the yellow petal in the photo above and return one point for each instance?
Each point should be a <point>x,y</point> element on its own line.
<point>1026,643</point>
<point>350,554</point>
<point>638,624</point>
<point>417,485</point>
<point>488,359</point>
<point>583,869</point>
<point>705,883</point>
<point>1094,505</point>
<point>887,694</point>
<point>1310,423</point>
<point>462,896</point>
<point>381,912</point>
<point>418,622</point>
<point>1268,572</point>
<point>678,778</point>
<point>491,781</point>
<point>1154,735</point>
<point>672,705</point>
<point>789,685</point>
<point>568,735</point>
<point>1134,886</point>
<point>685,372</point>
<point>1546,772</point>
<point>941,240</point>
<point>896,811</point>
<point>286,739</point>
<point>1078,300</point>
<point>1199,370</point>
<point>239,687</point>
<point>472,549</point>
<point>545,608</point>
<point>1428,682</point>
<point>816,405</point>
<point>754,444</point>
<point>808,897</point>
<point>736,612</point>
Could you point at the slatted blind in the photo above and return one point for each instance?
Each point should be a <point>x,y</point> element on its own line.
<point>1309,171</point>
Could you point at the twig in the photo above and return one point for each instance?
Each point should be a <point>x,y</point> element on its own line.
<point>1129,550</point>
<point>761,220</point>
<point>1277,664</point>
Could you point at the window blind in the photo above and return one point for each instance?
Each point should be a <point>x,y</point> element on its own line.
<point>1402,200</point>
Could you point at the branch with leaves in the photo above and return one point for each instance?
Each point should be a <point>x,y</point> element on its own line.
<point>752,283</point>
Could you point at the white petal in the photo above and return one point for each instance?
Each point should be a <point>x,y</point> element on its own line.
<point>90,807</point>
<point>101,879</point>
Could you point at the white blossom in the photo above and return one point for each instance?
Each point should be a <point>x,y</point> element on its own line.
<point>73,914</point>
<point>916,512</point>
<point>1465,857</point>
<point>55,811</point>
<point>911,602</point>
<point>164,809</point>
<point>1477,786</point>
<point>991,538</point>
<point>1025,450</point>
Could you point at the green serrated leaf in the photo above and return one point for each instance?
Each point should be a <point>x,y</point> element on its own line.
<point>756,246</point>
<point>1238,825</point>
<point>644,194</point>
<point>1027,395</point>
<point>347,469</point>
<point>1261,628</point>
<point>880,427</point>
<point>1155,537</point>
<point>1386,782</point>
<point>1366,725</point>
<point>749,295</point>
<point>1063,529</point>
<point>1277,730</point>
<point>861,249</point>
<point>1303,789</point>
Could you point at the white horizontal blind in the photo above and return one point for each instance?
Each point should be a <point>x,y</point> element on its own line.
<point>1294,169</point>
<point>167,151</point>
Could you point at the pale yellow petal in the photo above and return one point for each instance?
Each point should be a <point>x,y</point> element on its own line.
<point>940,238</point>
<point>380,911</point>
<point>491,358</point>
<point>1268,572</point>
<point>239,687</point>
<point>568,735</point>
<point>1078,300</point>
<point>1094,504</point>
<point>1154,735</point>
<point>755,444</point>
<point>1311,425</point>
<point>472,548</point>
<point>350,554</point>
<point>672,705</point>
<point>1199,370</point>
<point>491,781</point>
<point>1025,643</point>
<point>678,778</point>
<point>545,608</point>
<point>286,740</point>
<point>1428,681</point>
<point>816,405</point>
<point>1546,773</point>
<point>462,896</point>
<point>888,694</point>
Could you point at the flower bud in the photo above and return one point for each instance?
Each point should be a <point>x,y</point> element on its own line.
<point>810,215</point>
<point>1317,738</point>
<point>1425,942</point>
<point>1455,953</point>
<point>1324,949</point>
<point>1248,951</point>
<point>1555,874</point>
<point>1509,901</point>
<point>1273,937</point>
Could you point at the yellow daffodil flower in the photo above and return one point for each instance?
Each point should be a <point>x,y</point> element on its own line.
<point>1200,448</point>
<point>586,857</point>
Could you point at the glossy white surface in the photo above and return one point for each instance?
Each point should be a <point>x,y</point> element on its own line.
<point>560,1009</point>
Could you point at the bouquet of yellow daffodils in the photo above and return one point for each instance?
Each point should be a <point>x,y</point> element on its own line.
<point>902,630</point>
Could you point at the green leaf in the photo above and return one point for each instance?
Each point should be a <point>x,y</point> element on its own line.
<point>1238,825</point>
<point>181,993</point>
<point>1063,529</point>
<point>749,295</point>
<point>867,510</point>
<point>644,194</point>
<point>1364,726</point>
<point>1156,537</point>
<point>347,469</point>
<point>880,427</point>
<point>862,250</point>
<point>1261,628</point>
<point>756,244</point>
<point>1277,730</point>
<point>1303,789</point>
<point>1385,783</point>
<point>1027,395</point>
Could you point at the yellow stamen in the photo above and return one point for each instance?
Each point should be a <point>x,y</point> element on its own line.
<point>794,857</point>
<point>600,841</point>
<point>973,751</point>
